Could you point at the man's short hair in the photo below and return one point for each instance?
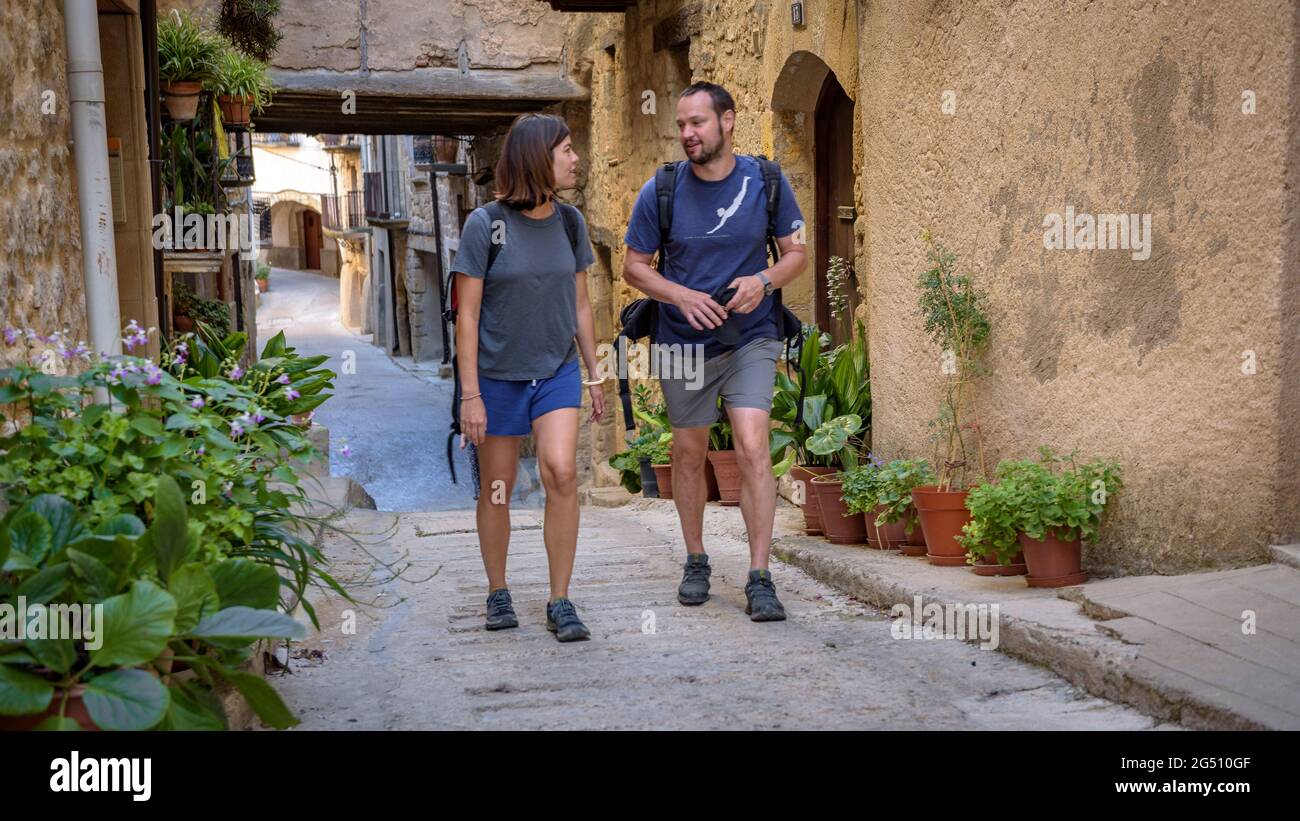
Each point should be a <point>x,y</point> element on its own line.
<point>722,101</point>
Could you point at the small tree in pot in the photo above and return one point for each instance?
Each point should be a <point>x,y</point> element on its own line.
<point>956,319</point>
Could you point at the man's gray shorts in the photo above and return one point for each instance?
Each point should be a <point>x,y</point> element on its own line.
<point>744,377</point>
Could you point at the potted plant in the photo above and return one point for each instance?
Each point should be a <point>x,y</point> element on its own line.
<point>792,412</point>
<point>186,54</point>
<point>956,319</point>
<point>661,464</point>
<point>837,438</point>
<point>722,460</point>
<point>263,278</point>
<point>858,491</point>
<point>894,511</point>
<point>241,84</point>
<point>192,308</point>
<point>162,595</point>
<point>834,383</point>
<point>1046,509</point>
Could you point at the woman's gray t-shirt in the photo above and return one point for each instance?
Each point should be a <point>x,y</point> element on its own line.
<point>529,315</point>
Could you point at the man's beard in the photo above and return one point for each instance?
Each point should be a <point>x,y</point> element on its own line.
<point>706,154</point>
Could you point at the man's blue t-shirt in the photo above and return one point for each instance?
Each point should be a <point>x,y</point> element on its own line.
<point>719,233</point>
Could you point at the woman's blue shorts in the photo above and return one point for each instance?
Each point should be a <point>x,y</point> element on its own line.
<point>512,405</point>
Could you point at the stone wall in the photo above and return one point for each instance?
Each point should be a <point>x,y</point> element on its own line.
<point>976,120</point>
<point>40,245</point>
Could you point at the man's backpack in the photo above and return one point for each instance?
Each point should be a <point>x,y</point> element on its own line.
<point>495,211</point>
<point>640,318</point>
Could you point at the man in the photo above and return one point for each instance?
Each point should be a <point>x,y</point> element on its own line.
<point>717,240</point>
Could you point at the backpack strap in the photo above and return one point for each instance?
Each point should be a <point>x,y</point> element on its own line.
<point>772,189</point>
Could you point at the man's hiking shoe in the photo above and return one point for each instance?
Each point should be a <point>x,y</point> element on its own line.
<point>562,620</point>
<point>500,610</point>
<point>694,588</point>
<point>761,603</point>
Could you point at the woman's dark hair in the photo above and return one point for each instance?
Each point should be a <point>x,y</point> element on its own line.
<point>525,174</point>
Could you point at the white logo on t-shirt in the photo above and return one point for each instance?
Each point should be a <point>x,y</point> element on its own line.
<point>725,213</point>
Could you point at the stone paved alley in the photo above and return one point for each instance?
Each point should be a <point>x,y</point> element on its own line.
<point>420,659</point>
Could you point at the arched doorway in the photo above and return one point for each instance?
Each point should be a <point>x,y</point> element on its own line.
<point>837,285</point>
<point>813,140</point>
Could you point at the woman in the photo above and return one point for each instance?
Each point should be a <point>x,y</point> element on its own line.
<point>516,355</point>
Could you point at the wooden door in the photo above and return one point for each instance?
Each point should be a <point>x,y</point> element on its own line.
<point>311,239</point>
<point>834,207</point>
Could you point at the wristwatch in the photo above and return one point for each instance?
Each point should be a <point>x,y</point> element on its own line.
<point>767,283</point>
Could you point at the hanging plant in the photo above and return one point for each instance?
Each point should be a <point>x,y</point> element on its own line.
<point>248,24</point>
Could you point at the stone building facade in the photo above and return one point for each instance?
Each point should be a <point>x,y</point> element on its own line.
<point>976,121</point>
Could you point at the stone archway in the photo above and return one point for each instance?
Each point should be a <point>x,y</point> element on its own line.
<point>813,136</point>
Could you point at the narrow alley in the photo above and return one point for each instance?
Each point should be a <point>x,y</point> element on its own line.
<point>420,658</point>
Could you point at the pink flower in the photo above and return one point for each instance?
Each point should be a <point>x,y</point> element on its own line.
<point>236,374</point>
<point>197,402</point>
<point>11,335</point>
<point>291,394</point>
<point>284,379</point>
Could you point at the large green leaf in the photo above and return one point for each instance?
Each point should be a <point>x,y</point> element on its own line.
<point>126,700</point>
<point>58,724</point>
<point>187,713</point>
<point>65,525</point>
<point>195,594</point>
<point>168,531</point>
<point>268,705</point>
<point>123,524</point>
<point>245,582</point>
<point>22,693</point>
<point>136,626</point>
<point>813,408</point>
<point>46,584</point>
<point>56,654</point>
<point>97,580</point>
<point>31,535</point>
<point>247,623</point>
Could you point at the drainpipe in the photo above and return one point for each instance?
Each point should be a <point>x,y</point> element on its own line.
<point>94,192</point>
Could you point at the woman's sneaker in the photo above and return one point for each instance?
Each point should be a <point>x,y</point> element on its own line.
<point>562,620</point>
<point>694,588</point>
<point>500,610</point>
<point>761,603</point>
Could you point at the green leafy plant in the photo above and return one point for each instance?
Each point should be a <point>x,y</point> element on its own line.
<point>955,312</point>
<point>192,167</point>
<point>186,52</point>
<point>889,484</point>
<point>653,442</point>
<point>836,438</point>
<point>836,384</point>
<point>211,312</point>
<point>263,272</point>
<point>1056,494</point>
<point>250,26</point>
<point>162,603</point>
<point>236,74</point>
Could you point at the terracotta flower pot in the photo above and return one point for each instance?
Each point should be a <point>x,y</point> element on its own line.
<point>887,537</point>
<point>76,710</point>
<point>727,472</point>
<point>182,323</point>
<point>812,511</point>
<point>664,480</point>
<point>914,545</point>
<point>181,99</point>
<point>838,525</point>
<point>943,515</point>
<point>262,285</point>
<point>711,479</point>
<point>988,566</point>
<point>235,110</point>
<point>302,420</point>
<point>1052,562</point>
